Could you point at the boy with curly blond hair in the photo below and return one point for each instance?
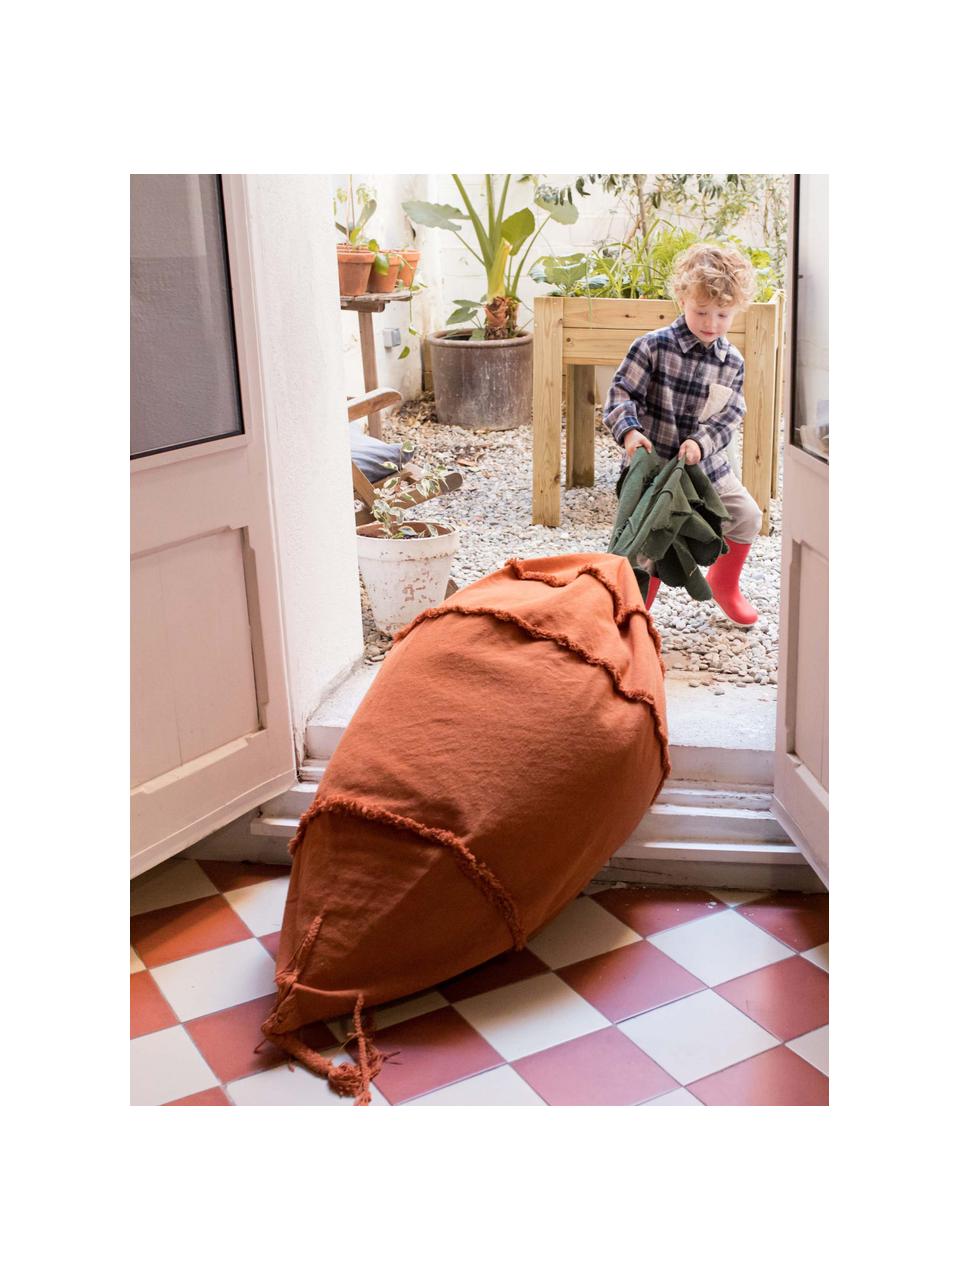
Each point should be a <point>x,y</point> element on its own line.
<point>679,392</point>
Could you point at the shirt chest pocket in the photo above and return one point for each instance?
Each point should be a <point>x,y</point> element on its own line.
<point>716,400</point>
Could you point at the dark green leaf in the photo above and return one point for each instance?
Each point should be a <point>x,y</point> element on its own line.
<point>461,315</point>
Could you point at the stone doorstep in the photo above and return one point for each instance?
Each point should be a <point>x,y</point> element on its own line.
<point>715,736</point>
<point>722,755</point>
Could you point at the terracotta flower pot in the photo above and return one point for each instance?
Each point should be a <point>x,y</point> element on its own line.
<point>385,283</point>
<point>408,266</point>
<point>355,267</point>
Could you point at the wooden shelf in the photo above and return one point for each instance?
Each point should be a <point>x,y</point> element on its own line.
<point>373,301</point>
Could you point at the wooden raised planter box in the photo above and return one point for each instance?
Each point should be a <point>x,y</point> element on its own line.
<point>573,335</point>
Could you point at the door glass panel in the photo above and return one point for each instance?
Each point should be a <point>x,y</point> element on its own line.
<point>810,416</point>
<point>183,376</point>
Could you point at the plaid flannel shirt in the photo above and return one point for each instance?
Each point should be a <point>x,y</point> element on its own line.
<point>673,388</point>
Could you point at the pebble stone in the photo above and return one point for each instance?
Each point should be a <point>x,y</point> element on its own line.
<point>492,512</point>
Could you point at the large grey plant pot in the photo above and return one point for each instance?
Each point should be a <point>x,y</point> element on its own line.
<point>482,384</point>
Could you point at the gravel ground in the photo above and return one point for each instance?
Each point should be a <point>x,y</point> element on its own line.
<point>492,513</point>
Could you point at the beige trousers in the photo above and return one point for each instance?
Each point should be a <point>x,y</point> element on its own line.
<point>745,516</point>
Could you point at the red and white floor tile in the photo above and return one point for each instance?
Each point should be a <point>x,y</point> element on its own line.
<point>631,996</point>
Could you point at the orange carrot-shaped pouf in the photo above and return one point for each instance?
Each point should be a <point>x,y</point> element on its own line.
<point>512,740</point>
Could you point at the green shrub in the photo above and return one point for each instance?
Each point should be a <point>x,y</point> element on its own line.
<point>639,268</point>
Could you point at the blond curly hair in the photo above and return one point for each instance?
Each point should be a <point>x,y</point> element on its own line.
<point>718,273</point>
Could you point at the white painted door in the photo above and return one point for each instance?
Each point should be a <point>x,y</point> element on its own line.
<point>801,765</point>
<point>211,730</point>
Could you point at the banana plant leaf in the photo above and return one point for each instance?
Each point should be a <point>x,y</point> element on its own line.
<point>670,514</point>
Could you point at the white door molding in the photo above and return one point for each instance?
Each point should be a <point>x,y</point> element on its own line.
<point>801,757</point>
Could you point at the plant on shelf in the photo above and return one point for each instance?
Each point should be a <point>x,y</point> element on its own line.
<point>362,263</point>
<point>407,283</point>
<point>409,259</point>
<point>503,246</point>
<point>354,256</point>
<point>352,226</point>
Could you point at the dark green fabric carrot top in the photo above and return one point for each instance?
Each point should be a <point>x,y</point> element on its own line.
<point>670,514</point>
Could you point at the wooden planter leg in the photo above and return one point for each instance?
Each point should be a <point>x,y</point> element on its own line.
<point>581,429</point>
<point>547,387</point>
<point>759,390</point>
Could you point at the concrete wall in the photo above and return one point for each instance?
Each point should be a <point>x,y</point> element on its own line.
<point>307,437</point>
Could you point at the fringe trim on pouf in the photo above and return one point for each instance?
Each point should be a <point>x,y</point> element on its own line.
<point>345,1078</point>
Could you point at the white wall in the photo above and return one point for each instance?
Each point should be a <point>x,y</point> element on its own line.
<point>307,437</point>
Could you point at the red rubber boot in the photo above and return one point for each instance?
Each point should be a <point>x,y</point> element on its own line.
<point>652,590</point>
<point>724,580</point>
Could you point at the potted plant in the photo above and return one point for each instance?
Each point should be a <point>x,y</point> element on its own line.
<point>405,564</point>
<point>386,268</point>
<point>483,375</point>
<point>363,266</point>
<point>409,260</point>
<point>354,257</point>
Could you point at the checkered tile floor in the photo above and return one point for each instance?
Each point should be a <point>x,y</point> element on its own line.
<point>631,996</point>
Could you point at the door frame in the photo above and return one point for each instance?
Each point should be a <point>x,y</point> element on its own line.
<point>800,801</point>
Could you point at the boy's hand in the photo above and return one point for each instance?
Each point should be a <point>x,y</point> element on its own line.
<point>690,453</point>
<point>635,440</point>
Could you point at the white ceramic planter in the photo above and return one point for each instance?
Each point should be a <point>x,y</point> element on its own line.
<point>404,576</point>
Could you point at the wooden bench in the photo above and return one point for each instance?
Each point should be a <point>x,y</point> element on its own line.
<point>572,336</point>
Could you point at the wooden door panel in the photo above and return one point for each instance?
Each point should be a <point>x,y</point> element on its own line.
<point>207,660</point>
<point>154,743</point>
<point>810,722</point>
<point>212,733</point>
